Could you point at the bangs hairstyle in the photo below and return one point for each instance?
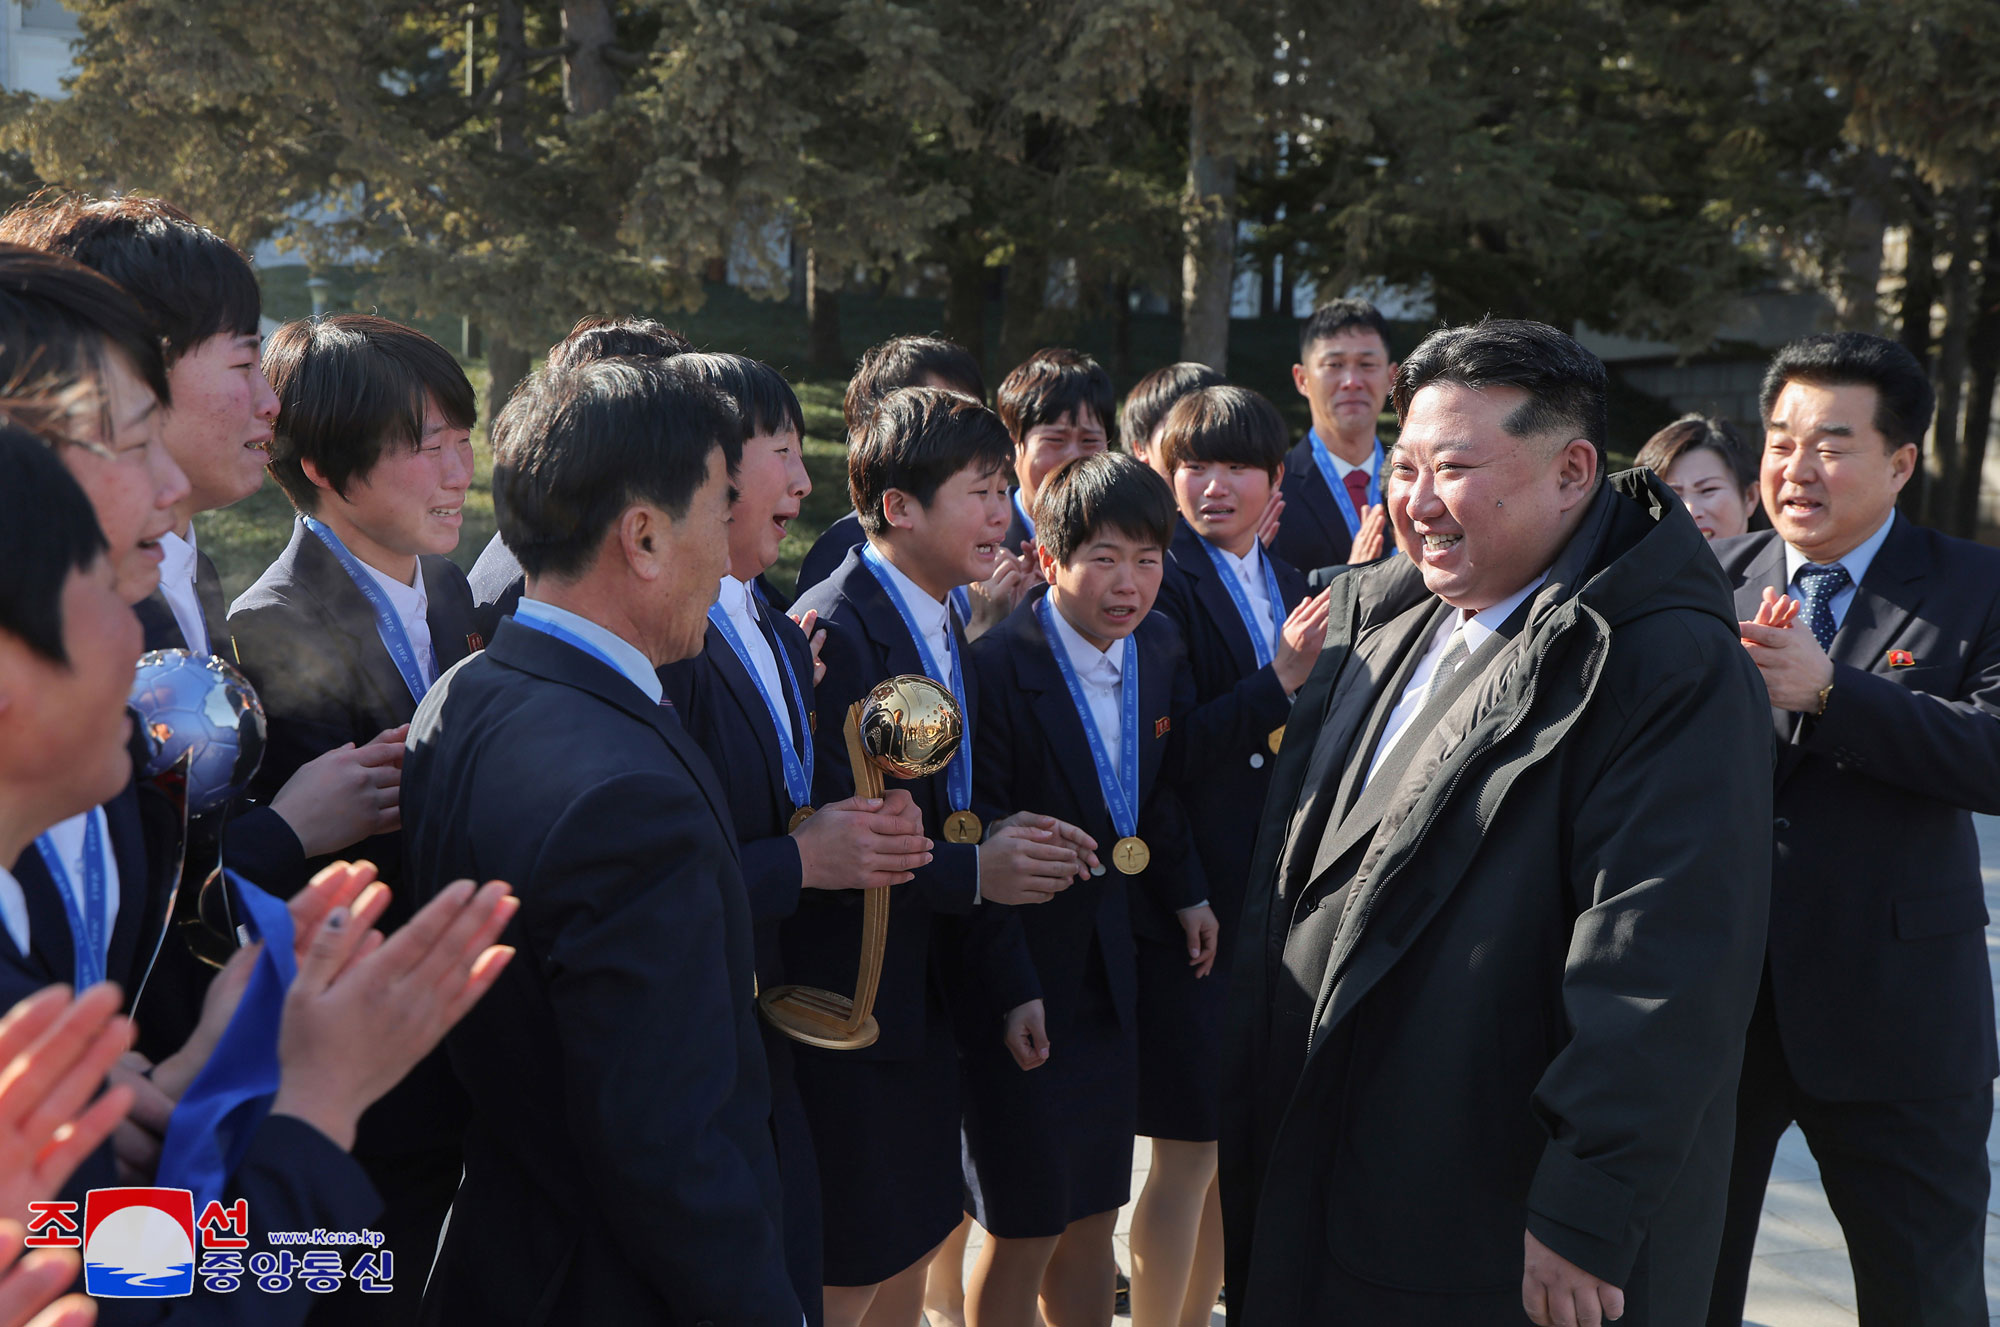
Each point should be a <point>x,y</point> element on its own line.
<point>1336,316</point>
<point>576,446</point>
<point>47,530</point>
<point>192,283</point>
<point>1147,404</point>
<point>599,337</point>
<point>906,361</point>
<point>1565,383</point>
<point>1224,426</point>
<point>763,397</point>
<point>56,318</point>
<point>348,387</point>
<point>1099,492</point>
<point>1053,383</point>
<point>915,440</point>
<point>1695,433</point>
<point>1904,399</point>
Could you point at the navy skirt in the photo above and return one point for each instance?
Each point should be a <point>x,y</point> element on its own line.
<point>1180,1044</point>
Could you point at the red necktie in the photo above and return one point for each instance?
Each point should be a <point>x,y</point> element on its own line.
<point>1357,489</point>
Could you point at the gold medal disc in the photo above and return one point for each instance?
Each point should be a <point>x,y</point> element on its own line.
<point>799,817</point>
<point>1130,854</point>
<point>962,827</point>
<point>1277,739</point>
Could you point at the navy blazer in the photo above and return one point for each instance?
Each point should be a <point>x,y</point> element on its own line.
<point>1878,969</point>
<point>1032,755</point>
<point>1239,705</point>
<point>618,1163</point>
<point>1312,533</point>
<point>829,551</point>
<point>867,643</point>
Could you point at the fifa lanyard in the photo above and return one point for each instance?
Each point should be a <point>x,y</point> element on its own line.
<point>1266,647</point>
<point>88,925</point>
<point>1121,790</point>
<point>797,762</point>
<point>958,775</point>
<point>1341,498</point>
<point>402,652</point>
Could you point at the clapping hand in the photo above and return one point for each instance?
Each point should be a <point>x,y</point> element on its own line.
<point>1794,667</point>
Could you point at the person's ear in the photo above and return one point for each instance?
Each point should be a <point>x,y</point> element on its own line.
<point>315,476</point>
<point>642,537</point>
<point>1902,464</point>
<point>1047,562</point>
<point>898,509</point>
<point>1576,471</point>
<point>1278,477</point>
<point>1299,380</point>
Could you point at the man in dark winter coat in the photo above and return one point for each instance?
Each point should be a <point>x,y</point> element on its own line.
<point>1507,907</point>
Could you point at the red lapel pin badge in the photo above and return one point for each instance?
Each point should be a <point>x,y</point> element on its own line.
<point>474,642</point>
<point>1902,659</point>
<point>1163,727</point>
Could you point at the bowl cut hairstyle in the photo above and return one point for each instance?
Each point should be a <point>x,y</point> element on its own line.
<point>1336,316</point>
<point>1698,433</point>
<point>48,529</point>
<point>1099,492</point>
<point>56,319</point>
<point>192,283</point>
<point>763,397</point>
<point>916,439</point>
<point>1052,383</point>
<point>1904,399</point>
<point>599,337</point>
<point>1224,426</point>
<point>575,447</point>
<point>906,361</point>
<point>1147,404</point>
<point>1565,383</point>
<point>349,387</point>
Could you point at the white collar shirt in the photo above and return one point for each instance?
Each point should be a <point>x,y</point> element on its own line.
<point>411,605</point>
<point>932,616</point>
<point>177,569</point>
<point>739,603</point>
<point>1856,563</point>
<point>1249,573</point>
<point>1101,674</point>
<point>620,653</point>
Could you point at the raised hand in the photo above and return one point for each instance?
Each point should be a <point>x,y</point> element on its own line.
<point>1300,641</point>
<point>1267,524</point>
<point>1368,539</point>
<point>999,594</point>
<point>54,1054</point>
<point>28,1288</point>
<point>816,637</point>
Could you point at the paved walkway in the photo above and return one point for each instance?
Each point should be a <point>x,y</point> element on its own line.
<point>1801,1277</point>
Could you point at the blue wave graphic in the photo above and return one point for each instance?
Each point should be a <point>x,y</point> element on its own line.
<point>112,1282</point>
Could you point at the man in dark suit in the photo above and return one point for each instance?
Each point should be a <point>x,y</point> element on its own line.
<point>1488,1003</point>
<point>1874,1030</point>
<point>618,1166</point>
<point>1333,477</point>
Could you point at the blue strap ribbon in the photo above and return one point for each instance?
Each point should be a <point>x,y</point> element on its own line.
<point>958,775</point>
<point>1343,501</point>
<point>798,764</point>
<point>1121,788</point>
<point>213,1123</point>
<point>89,920</point>
<point>1265,646</point>
<point>402,651</point>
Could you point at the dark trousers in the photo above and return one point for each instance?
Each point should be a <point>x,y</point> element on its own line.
<point>1907,1180</point>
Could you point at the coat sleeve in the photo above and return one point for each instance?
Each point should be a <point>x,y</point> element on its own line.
<point>1666,949</point>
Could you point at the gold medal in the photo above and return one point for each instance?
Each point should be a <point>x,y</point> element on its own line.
<point>962,827</point>
<point>799,817</point>
<point>1130,854</point>
<point>1277,739</point>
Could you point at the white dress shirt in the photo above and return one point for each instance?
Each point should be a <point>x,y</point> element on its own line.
<point>1856,562</point>
<point>1101,674</point>
<point>68,841</point>
<point>412,606</point>
<point>1477,628</point>
<point>177,567</point>
<point>932,616</point>
<point>621,653</point>
<point>740,603</point>
<point>1249,571</point>
<point>14,911</point>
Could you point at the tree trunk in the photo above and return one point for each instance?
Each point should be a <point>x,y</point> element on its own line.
<point>822,320</point>
<point>590,84</point>
<point>1861,245</point>
<point>1941,496</point>
<point>506,365</point>
<point>1914,330</point>
<point>797,295</point>
<point>1021,302</point>
<point>965,298</point>
<point>1983,358</point>
<point>1208,229</point>
<point>1121,328</point>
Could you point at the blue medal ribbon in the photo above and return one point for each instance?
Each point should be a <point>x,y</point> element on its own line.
<point>798,765</point>
<point>1267,649</point>
<point>1342,499</point>
<point>961,601</point>
<point>1121,791</point>
<point>957,775</point>
<point>402,652</point>
<point>89,926</point>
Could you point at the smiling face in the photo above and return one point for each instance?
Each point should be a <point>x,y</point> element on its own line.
<point>1703,480</point>
<point>1048,447</point>
<point>411,502</point>
<point>771,482</point>
<point>1106,589</point>
<point>956,539</point>
<point>1223,501</point>
<point>1829,476</point>
<point>1481,511</point>
<point>123,466</point>
<point>219,428</point>
<point>1346,378</point>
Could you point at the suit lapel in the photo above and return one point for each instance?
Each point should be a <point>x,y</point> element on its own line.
<point>742,689</point>
<point>158,624</point>
<point>1062,726</point>
<point>208,593</point>
<point>1192,556</point>
<point>448,610</point>
<point>1402,642</point>
<point>350,620</point>
<point>1888,597</point>
<point>128,850</point>
<point>50,945</point>
<point>1318,500</point>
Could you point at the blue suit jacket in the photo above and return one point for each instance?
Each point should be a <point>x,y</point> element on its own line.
<point>618,1163</point>
<point>1312,533</point>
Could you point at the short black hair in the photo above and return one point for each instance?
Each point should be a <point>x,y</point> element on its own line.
<point>48,530</point>
<point>915,440</point>
<point>599,337</point>
<point>577,445</point>
<point>766,400</point>
<point>1336,316</point>
<point>1104,490</point>
<point>1051,383</point>
<point>192,283</point>
<point>1155,394</point>
<point>56,318</point>
<point>906,361</point>
<point>1565,383</point>
<point>1904,399</point>
<point>348,386</point>
<point>1225,425</point>
<point>1696,433</point>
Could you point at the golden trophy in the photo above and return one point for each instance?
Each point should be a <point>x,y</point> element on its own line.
<point>908,726</point>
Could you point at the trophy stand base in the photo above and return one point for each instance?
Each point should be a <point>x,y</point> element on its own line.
<point>818,1018</point>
